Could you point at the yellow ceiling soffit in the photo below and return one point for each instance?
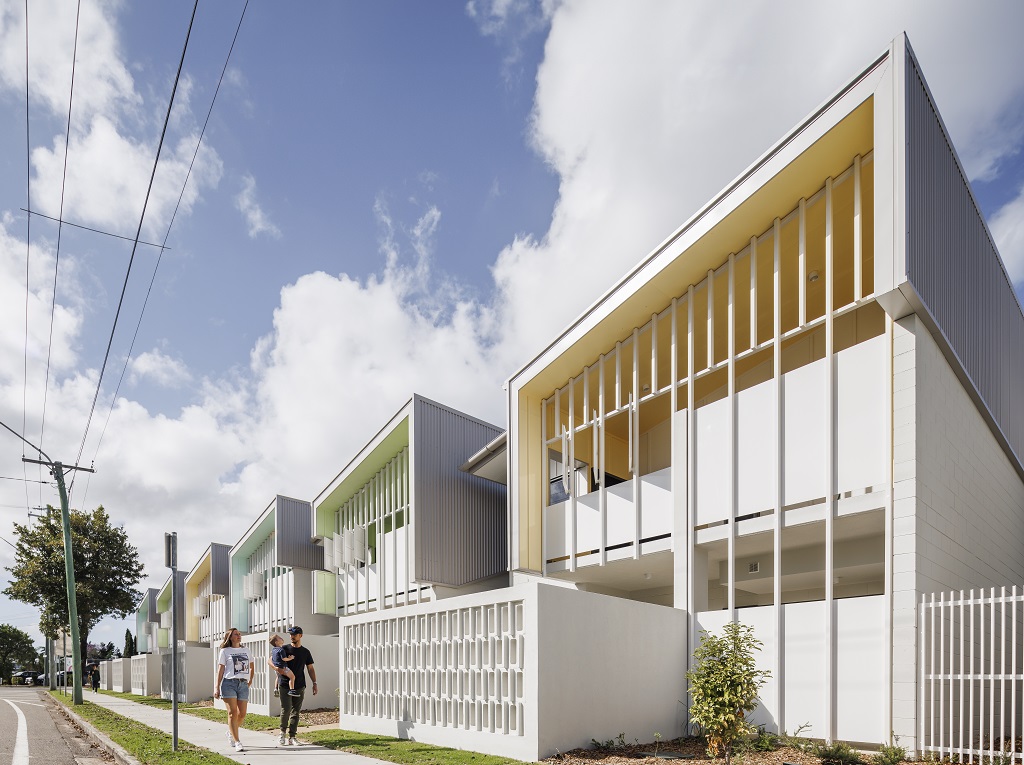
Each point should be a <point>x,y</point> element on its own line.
<point>828,156</point>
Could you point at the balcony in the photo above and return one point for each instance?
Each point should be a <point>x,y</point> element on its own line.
<point>586,534</point>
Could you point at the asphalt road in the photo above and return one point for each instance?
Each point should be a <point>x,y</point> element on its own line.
<point>32,732</point>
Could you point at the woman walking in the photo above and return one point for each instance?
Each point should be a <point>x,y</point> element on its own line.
<point>234,676</point>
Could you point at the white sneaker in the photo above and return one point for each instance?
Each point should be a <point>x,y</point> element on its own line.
<point>239,747</point>
<point>231,739</point>
<point>283,741</point>
<point>292,742</point>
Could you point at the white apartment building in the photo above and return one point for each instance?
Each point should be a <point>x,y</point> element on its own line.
<point>802,411</point>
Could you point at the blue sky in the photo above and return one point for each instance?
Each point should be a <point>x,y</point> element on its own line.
<point>391,197</point>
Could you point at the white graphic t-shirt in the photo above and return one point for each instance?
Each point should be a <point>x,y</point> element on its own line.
<point>236,663</point>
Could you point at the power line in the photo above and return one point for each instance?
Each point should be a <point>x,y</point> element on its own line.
<point>174,215</point>
<point>56,263</point>
<point>8,428</point>
<point>87,228</point>
<point>28,258</point>
<point>138,233</point>
<point>28,480</point>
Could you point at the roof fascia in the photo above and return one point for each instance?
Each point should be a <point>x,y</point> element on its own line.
<point>838,106</point>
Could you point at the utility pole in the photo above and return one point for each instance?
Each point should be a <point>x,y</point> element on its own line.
<point>57,471</point>
<point>171,561</point>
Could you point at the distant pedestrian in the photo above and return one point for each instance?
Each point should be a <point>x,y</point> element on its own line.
<point>234,677</point>
<point>94,675</point>
<point>292,705</point>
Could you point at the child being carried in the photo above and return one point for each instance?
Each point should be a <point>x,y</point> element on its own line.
<point>279,654</point>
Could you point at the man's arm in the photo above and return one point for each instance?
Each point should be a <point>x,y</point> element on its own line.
<point>312,674</point>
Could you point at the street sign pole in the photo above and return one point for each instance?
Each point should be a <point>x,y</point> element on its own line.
<point>171,561</point>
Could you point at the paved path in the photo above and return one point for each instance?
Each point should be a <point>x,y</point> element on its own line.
<point>29,730</point>
<point>259,747</point>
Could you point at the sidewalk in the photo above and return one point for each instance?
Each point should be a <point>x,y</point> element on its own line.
<point>259,747</point>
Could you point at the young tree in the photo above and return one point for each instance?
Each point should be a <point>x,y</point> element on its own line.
<point>16,650</point>
<point>129,645</point>
<point>724,685</point>
<point>107,569</point>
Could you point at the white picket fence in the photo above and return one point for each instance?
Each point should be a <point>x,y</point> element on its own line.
<point>970,664</point>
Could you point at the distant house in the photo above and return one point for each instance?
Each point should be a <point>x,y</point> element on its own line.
<point>273,568</point>
<point>145,667</point>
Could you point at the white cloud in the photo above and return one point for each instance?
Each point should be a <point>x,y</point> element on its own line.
<point>108,174</point>
<point>1008,230</point>
<point>160,368</point>
<point>103,84</point>
<point>257,221</point>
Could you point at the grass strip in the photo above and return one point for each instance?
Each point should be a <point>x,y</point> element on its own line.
<point>252,721</point>
<point>399,750</point>
<point>146,744</point>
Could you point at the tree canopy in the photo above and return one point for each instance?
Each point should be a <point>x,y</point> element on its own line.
<point>16,650</point>
<point>130,648</point>
<point>107,570</point>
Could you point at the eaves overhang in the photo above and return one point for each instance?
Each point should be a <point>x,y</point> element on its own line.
<point>388,441</point>
<point>491,461</point>
<point>824,142</point>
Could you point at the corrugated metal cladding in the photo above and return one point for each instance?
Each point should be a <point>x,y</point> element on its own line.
<point>293,524</point>
<point>147,606</point>
<point>459,519</point>
<point>955,269</point>
<point>179,604</point>
<point>220,569</point>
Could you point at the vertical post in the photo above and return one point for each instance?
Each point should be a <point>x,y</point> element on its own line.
<point>830,458</point>
<point>69,574</point>
<point>780,451</point>
<point>171,561</point>
<point>51,668</point>
<point>733,441</point>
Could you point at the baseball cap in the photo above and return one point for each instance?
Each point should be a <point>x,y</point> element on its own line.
<point>295,631</point>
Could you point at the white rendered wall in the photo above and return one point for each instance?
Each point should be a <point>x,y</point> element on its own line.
<point>146,674</point>
<point>860,661</point>
<point>959,504</point>
<point>122,681</point>
<point>573,665</point>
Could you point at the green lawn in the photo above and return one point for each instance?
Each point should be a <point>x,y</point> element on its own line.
<point>399,750</point>
<point>252,721</point>
<point>149,745</point>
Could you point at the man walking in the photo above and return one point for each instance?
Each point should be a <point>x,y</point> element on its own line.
<point>292,705</point>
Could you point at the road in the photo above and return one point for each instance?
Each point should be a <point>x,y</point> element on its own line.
<point>31,733</point>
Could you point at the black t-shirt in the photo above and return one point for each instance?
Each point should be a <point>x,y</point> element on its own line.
<point>303,658</point>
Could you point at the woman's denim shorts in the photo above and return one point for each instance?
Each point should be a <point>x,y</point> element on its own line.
<point>235,688</point>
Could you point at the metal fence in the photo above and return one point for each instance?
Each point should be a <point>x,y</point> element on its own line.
<point>971,681</point>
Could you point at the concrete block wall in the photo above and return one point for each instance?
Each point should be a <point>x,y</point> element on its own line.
<point>958,502</point>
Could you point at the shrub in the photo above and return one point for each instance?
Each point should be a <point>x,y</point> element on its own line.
<point>724,685</point>
<point>891,754</point>
<point>836,753</point>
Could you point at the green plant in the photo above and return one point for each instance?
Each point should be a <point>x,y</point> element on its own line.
<point>892,753</point>
<point>763,741</point>
<point>836,753</point>
<point>619,742</point>
<point>797,741</point>
<point>657,740</point>
<point>724,685</point>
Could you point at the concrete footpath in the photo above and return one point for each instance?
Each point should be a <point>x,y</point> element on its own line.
<point>259,747</point>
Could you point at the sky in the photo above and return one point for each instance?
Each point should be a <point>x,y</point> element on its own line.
<point>388,198</point>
